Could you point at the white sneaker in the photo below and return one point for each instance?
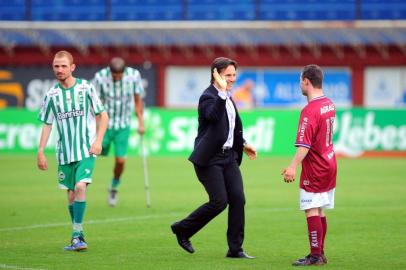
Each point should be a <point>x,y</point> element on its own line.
<point>112,197</point>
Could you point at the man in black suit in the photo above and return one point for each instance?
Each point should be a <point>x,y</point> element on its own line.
<point>216,158</point>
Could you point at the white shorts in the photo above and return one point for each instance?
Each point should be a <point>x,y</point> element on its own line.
<point>310,200</point>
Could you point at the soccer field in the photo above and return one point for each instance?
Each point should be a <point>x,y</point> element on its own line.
<point>367,229</point>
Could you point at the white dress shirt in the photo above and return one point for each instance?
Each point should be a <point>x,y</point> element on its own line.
<point>231,117</point>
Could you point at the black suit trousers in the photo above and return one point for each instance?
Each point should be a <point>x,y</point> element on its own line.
<point>223,183</point>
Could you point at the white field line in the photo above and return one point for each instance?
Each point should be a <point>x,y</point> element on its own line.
<point>122,219</point>
<point>5,266</point>
<point>96,221</point>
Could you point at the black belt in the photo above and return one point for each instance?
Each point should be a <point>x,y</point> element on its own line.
<point>225,150</point>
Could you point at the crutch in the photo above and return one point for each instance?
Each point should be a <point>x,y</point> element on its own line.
<point>144,162</point>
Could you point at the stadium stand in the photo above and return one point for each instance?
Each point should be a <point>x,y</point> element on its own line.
<point>224,10</point>
<point>68,10</point>
<point>352,33</point>
<point>307,10</point>
<point>248,23</point>
<point>202,10</point>
<point>13,10</point>
<point>382,10</point>
<point>150,10</point>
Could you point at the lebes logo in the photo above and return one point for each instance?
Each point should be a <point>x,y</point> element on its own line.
<point>10,91</point>
<point>358,133</point>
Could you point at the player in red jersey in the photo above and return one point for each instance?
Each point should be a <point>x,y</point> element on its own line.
<point>319,166</point>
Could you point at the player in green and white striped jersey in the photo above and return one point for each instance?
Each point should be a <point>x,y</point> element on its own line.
<point>81,123</point>
<point>119,88</point>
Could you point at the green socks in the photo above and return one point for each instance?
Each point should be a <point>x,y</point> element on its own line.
<point>115,183</point>
<point>70,207</point>
<point>78,213</point>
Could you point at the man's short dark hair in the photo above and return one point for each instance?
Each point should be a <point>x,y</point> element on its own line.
<point>314,74</point>
<point>221,63</point>
<point>117,65</point>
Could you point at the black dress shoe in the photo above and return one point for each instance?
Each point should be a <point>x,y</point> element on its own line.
<point>183,241</point>
<point>239,255</point>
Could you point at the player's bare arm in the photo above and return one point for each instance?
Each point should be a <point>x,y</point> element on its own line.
<point>41,159</point>
<point>139,111</point>
<point>289,173</point>
<point>101,124</point>
<point>250,151</point>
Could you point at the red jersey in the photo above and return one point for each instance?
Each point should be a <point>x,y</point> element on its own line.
<point>315,131</point>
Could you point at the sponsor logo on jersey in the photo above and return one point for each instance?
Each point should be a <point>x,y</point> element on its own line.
<point>303,128</point>
<point>80,97</point>
<point>53,92</point>
<point>327,108</point>
<point>330,155</point>
<point>87,171</point>
<point>70,114</point>
<point>306,182</point>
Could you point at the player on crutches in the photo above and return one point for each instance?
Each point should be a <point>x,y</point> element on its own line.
<point>145,169</point>
<point>120,88</point>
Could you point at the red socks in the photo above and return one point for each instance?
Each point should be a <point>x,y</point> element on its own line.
<point>315,230</point>
<point>324,226</point>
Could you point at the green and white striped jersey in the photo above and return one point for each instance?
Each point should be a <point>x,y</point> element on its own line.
<point>118,97</point>
<point>74,110</point>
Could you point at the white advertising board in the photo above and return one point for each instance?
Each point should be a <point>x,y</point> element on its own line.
<point>385,87</point>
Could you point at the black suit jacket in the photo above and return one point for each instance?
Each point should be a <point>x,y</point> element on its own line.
<point>213,128</point>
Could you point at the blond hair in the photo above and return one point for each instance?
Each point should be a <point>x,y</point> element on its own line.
<point>66,54</point>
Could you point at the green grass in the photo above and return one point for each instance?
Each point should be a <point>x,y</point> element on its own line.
<point>367,230</point>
